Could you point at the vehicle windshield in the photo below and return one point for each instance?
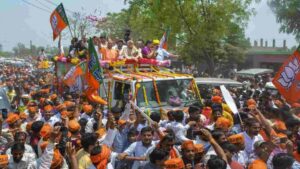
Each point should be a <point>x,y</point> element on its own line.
<point>171,93</point>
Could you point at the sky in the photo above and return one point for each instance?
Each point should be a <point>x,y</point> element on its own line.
<point>24,22</point>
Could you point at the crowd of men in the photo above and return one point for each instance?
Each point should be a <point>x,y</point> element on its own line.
<point>108,49</point>
<point>48,129</point>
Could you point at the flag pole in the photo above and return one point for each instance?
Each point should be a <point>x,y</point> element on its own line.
<point>70,31</point>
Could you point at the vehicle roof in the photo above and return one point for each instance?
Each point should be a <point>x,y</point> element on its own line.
<point>149,76</point>
<point>254,71</point>
<point>217,81</point>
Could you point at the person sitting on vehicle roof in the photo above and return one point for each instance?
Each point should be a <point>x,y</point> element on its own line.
<point>130,51</point>
<point>109,53</point>
<point>148,50</point>
<point>160,52</point>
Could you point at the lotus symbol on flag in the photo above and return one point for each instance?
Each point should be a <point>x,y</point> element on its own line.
<point>289,73</point>
<point>54,22</point>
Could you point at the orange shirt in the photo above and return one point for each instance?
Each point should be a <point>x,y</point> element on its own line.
<point>109,54</point>
<point>258,164</point>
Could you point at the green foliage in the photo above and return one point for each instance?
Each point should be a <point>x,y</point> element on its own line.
<point>21,51</point>
<point>288,15</point>
<point>5,54</point>
<point>209,31</point>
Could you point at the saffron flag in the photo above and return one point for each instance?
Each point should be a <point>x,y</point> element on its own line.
<point>70,79</point>
<point>287,79</point>
<point>94,73</point>
<point>164,39</point>
<point>58,20</point>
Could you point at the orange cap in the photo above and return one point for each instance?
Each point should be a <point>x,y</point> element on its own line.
<point>73,126</point>
<point>101,159</point>
<point>281,135</point>
<point>48,108</point>
<point>252,107</point>
<point>121,122</point>
<point>101,132</point>
<point>199,148</point>
<point>23,116</point>
<point>65,114</point>
<point>189,144</point>
<point>46,130</point>
<point>175,163</point>
<point>31,104</point>
<point>69,104</point>
<point>251,102</point>
<point>223,123</point>
<point>32,109</point>
<point>53,96</point>
<point>236,139</point>
<point>57,159</point>
<point>45,91</point>
<point>12,118</point>
<point>87,108</point>
<point>4,159</point>
<point>280,125</point>
<point>60,107</point>
<point>42,100</point>
<point>216,99</point>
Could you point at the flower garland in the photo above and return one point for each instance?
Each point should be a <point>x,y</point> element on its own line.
<point>63,59</point>
<point>195,88</point>
<point>109,95</point>
<point>137,87</point>
<point>122,89</point>
<point>117,63</point>
<point>156,91</point>
<point>145,96</point>
<point>154,86</point>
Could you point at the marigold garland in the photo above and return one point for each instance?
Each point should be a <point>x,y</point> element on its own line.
<point>196,90</point>
<point>109,95</point>
<point>145,96</point>
<point>156,91</point>
<point>122,90</point>
<point>137,87</point>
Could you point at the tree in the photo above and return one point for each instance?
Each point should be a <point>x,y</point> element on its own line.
<point>114,24</point>
<point>80,23</point>
<point>5,54</point>
<point>21,51</point>
<point>288,15</point>
<point>202,31</point>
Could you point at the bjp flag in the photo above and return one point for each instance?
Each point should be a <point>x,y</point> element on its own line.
<point>58,20</point>
<point>164,40</point>
<point>287,79</point>
<point>94,73</point>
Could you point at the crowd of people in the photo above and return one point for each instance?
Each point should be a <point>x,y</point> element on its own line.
<point>44,128</point>
<point>108,49</point>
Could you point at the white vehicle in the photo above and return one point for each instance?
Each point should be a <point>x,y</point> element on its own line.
<point>152,89</point>
<point>148,86</point>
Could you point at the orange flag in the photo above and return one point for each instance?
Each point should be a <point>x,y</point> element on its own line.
<point>58,20</point>
<point>94,73</point>
<point>287,79</point>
